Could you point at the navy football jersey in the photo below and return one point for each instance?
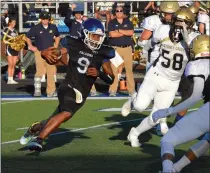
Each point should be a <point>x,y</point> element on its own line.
<point>80,59</point>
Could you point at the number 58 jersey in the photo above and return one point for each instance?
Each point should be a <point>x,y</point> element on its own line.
<point>173,56</point>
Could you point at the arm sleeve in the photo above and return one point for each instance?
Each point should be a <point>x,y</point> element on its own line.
<point>193,99</point>
<point>149,23</point>
<point>202,18</point>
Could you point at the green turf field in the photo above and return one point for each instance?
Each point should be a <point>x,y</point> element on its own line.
<point>96,144</point>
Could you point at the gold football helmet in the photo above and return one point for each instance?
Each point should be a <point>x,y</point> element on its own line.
<point>185,15</point>
<point>200,46</point>
<point>193,9</point>
<point>168,8</point>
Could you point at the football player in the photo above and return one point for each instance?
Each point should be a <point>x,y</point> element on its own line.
<point>198,71</point>
<point>203,20</point>
<point>87,56</point>
<point>187,129</point>
<point>162,80</point>
<point>167,10</point>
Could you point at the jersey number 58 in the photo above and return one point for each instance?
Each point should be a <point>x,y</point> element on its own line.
<point>176,62</point>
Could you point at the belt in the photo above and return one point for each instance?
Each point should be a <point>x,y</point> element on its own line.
<point>121,46</point>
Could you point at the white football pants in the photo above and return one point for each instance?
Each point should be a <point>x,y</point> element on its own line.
<point>188,128</point>
<point>155,87</point>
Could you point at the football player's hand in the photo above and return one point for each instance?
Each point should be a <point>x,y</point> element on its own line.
<point>161,113</point>
<point>92,71</point>
<point>51,55</point>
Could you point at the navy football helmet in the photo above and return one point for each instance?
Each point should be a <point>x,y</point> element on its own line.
<point>94,33</point>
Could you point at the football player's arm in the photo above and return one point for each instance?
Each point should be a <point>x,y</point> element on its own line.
<point>201,28</point>
<point>145,35</point>
<point>107,74</point>
<point>198,85</point>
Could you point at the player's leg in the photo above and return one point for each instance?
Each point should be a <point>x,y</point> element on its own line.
<point>194,152</point>
<point>141,100</point>
<point>34,130</point>
<point>187,129</point>
<point>68,106</point>
<point>145,95</point>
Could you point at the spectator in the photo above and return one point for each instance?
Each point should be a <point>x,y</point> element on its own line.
<point>120,32</point>
<point>46,35</point>
<point>75,25</point>
<point>12,55</point>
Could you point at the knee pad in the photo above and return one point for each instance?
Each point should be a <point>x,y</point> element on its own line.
<point>140,106</point>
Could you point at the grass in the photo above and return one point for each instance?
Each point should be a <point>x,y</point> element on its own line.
<point>97,150</point>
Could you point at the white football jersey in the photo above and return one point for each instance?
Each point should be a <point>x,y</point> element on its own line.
<point>151,23</point>
<point>173,56</point>
<point>185,3</point>
<point>200,67</point>
<point>204,18</point>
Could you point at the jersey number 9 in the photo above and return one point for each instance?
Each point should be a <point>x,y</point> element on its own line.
<point>83,65</point>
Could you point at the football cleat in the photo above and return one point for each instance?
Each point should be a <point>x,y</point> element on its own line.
<point>35,144</point>
<point>126,108</point>
<point>133,138</point>
<point>30,134</point>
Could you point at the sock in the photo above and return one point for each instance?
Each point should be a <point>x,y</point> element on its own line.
<point>10,78</point>
<point>167,166</point>
<point>184,161</point>
<point>143,126</point>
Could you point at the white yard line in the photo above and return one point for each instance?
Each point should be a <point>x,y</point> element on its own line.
<point>81,129</point>
<point>4,103</point>
<point>55,98</point>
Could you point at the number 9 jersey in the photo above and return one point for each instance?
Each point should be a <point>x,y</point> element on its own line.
<point>173,56</point>
<point>80,59</point>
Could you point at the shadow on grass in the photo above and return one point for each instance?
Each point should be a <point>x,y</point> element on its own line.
<point>93,164</point>
<point>57,141</point>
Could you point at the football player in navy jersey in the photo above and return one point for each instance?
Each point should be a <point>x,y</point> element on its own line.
<point>87,56</point>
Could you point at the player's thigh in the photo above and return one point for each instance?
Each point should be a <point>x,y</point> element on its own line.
<point>67,99</point>
<point>145,95</point>
<point>188,128</point>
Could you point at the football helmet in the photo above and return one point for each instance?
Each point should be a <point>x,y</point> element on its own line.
<point>170,8</point>
<point>200,47</point>
<point>194,9</point>
<point>183,22</point>
<point>94,33</point>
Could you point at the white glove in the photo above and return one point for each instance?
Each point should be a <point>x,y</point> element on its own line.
<point>144,54</point>
<point>185,33</point>
<point>161,113</point>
